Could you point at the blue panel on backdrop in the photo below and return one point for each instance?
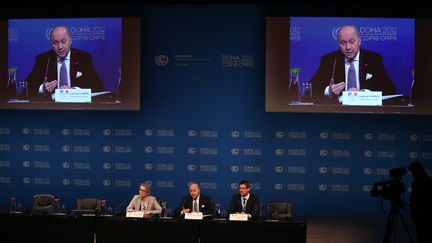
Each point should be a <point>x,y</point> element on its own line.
<point>99,36</point>
<point>202,119</point>
<point>393,38</point>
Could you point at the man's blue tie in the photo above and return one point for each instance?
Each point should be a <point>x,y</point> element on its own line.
<point>63,74</point>
<point>352,76</point>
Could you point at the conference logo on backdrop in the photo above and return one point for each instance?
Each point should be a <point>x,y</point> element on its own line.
<point>278,186</point>
<point>83,32</point>
<point>279,169</point>
<point>5,147</point>
<point>106,183</point>
<point>13,35</point>
<point>148,166</point>
<point>367,188</point>
<point>234,186</point>
<point>66,182</point>
<point>413,155</point>
<point>148,149</point>
<point>26,180</point>
<point>367,154</point>
<point>323,170</point>
<point>191,167</point>
<point>413,137</point>
<point>322,187</point>
<point>235,151</point>
<point>161,60</point>
<point>26,131</point>
<point>295,33</point>
<point>324,135</point>
<point>280,134</point>
<point>106,132</point>
<point>297,135</point>
<point>148,132</point>
<point>323,152</point>
<point>235,134</point>
<point>65,148</point>
<point>237,61</point>
<point>106,149</point>
<point>65,132</point>
<point>26,164</point>
<point>191,150</point>
<point>26,147</point>
<point>192,133</point>
<point>279,152</point>
<point>4,130</point>
<point>106,166</point>
<point>367,171</point>
<point>368,136</point>
<point>65,165</point>
<point>296,187</point>
<point>296,170</point>
<point>235,168</point>
<point>427,137</point>
<point>373,33</point>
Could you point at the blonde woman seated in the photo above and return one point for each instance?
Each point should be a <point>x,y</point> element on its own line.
<point>144,202</point>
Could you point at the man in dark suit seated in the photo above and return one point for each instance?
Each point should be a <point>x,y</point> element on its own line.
<point>350,68</point>
<point>62,67</point>
<point>195,202</point>
<point>245,202</point>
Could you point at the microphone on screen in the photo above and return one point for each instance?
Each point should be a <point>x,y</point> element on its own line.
<point>332,77</point>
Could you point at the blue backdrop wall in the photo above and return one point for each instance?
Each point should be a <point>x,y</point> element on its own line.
<point>202,119</point>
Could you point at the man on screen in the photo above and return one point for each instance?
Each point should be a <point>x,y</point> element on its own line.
<point>350,68</point>
<point>62,67</point>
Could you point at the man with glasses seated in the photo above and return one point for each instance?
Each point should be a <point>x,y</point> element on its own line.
<point>245,202</point>
<point>144,202</point>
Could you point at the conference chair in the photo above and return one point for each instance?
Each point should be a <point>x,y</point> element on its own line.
<point>280,210</point>
<point>43,204</point>
<point>87,206</point>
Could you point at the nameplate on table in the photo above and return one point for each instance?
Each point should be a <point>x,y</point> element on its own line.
<point>362,98</point>
<point>135,214</point>
<point>194,215</point>
<point>238,217</point>
<point>72,95</point>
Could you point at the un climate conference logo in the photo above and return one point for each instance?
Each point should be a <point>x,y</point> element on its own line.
<point>235,134</point>
<point>192,133</point>
<point>191,167</point>
<point>234,186</point>
<point>335,31</point>
<point>26,164</point>
<point>235,168</point>
<point>323,170</point>
<point>161,60</point>
<point>322,187</point>
<point>66,182</point>
<point>65,132</point>
<point>278,186</point>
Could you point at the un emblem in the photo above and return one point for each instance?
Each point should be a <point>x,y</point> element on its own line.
<point>323,152</point>
<point>192,133</point>
<point>278,186</point>
<point>66,182</point>
<point>322,187</point>
<point>234,186</point>
<point>148,132</point>
<point>235,134</point>
<point>279,134</point>
<point>235,168</point>
<point>235,151</point>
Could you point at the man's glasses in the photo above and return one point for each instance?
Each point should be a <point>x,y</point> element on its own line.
<point>142,190</point>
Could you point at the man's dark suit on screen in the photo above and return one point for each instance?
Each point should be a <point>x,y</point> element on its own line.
<point>372,75</point>
<point>82,72</point>
<point>205,205</point>
<point>252,205</point>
